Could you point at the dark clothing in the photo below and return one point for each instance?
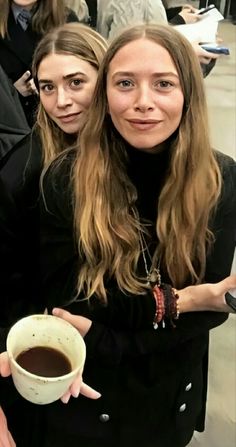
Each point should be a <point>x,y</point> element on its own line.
<point>153,383</point>
<point>13,124</point>
<point>92,7</point>
<point>16,53</point>
<point>19,274</point>
<point>20,178</point>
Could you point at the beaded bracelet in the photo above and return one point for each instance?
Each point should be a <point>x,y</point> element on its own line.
<point>167,305</point>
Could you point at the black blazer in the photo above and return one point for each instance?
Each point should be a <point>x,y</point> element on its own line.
<point>153,383</point>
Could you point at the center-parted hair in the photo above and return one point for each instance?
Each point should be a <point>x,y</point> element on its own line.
<point>106,228</point>
<point>73,39</point>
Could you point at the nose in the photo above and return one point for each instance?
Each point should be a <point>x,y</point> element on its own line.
<point>63,98</point>
<point>144,99</point>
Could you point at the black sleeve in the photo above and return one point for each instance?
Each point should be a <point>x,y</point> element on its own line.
<point>106,338</point>
<point>19,235</point>
<point>173,16</point>
<point>177,20</point>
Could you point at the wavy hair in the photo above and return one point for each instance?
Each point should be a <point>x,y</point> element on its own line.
<point>107,231</point>
<point>46,15</point>
<point>73,39</point>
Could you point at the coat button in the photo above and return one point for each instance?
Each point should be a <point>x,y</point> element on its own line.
<point>182,408</point>
<point>104,417</point>
<point>188,387</point>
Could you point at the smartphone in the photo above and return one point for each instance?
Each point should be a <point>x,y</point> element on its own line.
<point>216,49</point>
<point>204,10</point>
<point>230,300</point>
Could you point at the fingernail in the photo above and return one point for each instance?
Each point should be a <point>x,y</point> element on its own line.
<point>65,399</point>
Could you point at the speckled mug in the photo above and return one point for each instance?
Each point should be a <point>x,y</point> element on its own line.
<point>51,332</point>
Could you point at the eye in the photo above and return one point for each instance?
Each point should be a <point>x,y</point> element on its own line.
<point>47,88</point>
<point>164,85</point>
<point>75,83</point>
<point>125,83</point>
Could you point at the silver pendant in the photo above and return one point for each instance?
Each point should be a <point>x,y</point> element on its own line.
<point>154,277</point>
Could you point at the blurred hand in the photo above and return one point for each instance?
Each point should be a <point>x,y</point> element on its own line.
<point>189,14</point>
<point>207,297</point>
<point>6,439</point>
<point>24,87</point>
<point>204,56</point>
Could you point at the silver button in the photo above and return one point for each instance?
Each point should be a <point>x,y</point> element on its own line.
<point>182,408</point>
<point>188,387</point>
<point>104,417</point>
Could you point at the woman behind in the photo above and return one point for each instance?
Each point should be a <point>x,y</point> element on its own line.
<point>22,24</point>
<point>145,206</point>
<point>65,68</point>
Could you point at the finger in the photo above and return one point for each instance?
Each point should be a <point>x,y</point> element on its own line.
<point>5,369</point>
<point>89,392</point>
<point>66,397</point>
<point>11,440</point>
<point>25,76</point>
<point>76,385</point>
<point>65,315</point>
<point>228,283</point>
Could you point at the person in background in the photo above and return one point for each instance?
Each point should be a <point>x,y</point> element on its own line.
<point>13,124</point>
<point>22,24</point>
<point>81,9</point>
<point>65,68</point>
<point>92,7</point>
<point>133,225</point>
<point>114,17</point>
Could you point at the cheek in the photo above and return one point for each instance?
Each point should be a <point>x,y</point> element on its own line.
<point>47,103</point>
<point>117,104</point>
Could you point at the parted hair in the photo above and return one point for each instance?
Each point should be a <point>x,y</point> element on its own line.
<point>106,228</point>
<point>73,39</point>
<point>46,15</point>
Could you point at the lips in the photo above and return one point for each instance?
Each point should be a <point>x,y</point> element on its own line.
<point>143,124</point>
<point>68,118</point>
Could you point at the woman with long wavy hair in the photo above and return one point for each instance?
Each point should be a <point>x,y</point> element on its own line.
<point>65,69</point>
<point>22,25</point>
<point>134,223</point>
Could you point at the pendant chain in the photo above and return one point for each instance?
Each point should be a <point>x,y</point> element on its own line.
<point>153,273</point>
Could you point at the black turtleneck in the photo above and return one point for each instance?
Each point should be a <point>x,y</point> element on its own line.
<point>147,171</point>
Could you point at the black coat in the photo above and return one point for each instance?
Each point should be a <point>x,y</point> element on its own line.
<point>13,124</point>
<point>16,53</point>
<point>19,238</point>
<point>153,383</point>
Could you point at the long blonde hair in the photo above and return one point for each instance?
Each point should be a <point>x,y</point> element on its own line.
<point>46,14</point>
<point>107,231</point>
<point>73,39</point>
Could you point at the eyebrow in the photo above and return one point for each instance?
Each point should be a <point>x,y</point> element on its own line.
<point>71,75</point>
<point>130,73</point>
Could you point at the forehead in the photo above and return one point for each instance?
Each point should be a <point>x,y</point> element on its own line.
<point>140,55</point>
<point>59,65</point>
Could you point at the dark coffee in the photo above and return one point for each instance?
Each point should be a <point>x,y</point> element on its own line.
<point>43,361</point>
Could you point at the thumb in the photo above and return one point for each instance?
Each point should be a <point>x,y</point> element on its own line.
<point>5,369</point>
<point>25,76</point>
<point>228,283</point>
<point>65,315</point>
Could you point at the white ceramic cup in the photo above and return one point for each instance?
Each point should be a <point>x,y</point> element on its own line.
<point>51,332</point>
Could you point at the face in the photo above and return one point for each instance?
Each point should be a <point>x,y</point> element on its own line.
<point>145,99</point>
<point>66,86</point>
<point>27,4</point>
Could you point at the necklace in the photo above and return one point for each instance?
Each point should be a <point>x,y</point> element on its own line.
<point>153,273</point>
